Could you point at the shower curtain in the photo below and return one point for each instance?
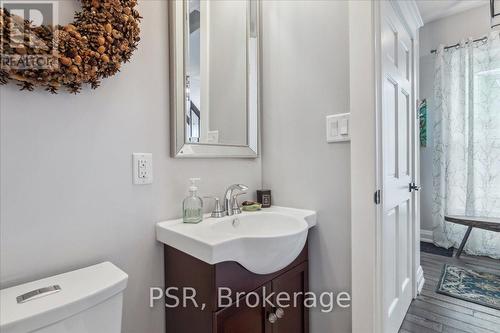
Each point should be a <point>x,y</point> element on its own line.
<point>466,152</point>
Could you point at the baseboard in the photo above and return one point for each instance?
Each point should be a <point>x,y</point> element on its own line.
<point>420,279</point>
<point>426,236</point>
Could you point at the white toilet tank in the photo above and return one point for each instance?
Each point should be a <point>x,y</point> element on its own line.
<point>88,300</point>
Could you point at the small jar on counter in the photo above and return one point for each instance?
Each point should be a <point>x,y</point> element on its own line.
<point>264,197</point>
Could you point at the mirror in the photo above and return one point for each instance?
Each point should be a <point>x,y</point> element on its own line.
<point>214,77</point>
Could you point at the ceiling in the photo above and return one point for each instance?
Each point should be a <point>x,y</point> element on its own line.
<point>435,9</point>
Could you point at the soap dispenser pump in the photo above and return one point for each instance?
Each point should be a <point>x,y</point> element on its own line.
<point>192,207</point>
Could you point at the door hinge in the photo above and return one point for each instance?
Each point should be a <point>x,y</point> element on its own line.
<point>376,197</point>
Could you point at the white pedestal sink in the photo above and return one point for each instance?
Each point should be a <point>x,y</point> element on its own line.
<point>263,242</point>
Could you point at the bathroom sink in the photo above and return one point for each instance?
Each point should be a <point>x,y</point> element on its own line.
<point>263,242</point>
<point>260,225</point>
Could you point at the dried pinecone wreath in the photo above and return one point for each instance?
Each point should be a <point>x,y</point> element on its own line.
<point>103,35</point>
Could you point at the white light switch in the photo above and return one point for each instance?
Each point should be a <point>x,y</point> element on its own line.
<point>344,126</point>
<point>337,127</point>
<point>142,168</point>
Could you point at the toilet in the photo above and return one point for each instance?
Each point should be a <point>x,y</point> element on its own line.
<point>88,300</point>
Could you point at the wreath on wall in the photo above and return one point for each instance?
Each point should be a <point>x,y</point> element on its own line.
<point>102,37</point>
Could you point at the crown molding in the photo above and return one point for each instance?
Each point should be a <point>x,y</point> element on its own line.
<point>411,15</point>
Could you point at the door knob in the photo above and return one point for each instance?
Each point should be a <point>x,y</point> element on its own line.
<point>272,318</point>
<point>414,187</point>
<point>280,313</point>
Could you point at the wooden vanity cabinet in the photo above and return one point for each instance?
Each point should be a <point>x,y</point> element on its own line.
<point>185,271</point>
<point>296,319</point>
<point>243,319</point>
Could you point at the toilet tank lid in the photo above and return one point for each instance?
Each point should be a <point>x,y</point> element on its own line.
<point>79,290</point>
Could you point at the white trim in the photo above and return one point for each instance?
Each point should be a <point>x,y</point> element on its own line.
<point>420,279</point>
<point>412,21</point>
<point>418,282</point>
<point>410,13</point>
<point>364,222</point>
<point>379,173</point>
<point>426,236</point>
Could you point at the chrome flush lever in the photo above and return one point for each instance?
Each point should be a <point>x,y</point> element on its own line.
<point>34,294</point>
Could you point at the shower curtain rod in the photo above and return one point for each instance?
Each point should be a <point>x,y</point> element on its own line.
<point>458,44</point>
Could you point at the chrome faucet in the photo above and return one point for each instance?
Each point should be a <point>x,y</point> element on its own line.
<point>229,198</point>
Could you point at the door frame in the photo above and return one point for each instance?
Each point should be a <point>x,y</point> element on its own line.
<point>366,162</point>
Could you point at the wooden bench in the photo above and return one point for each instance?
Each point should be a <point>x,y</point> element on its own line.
<point>486,223</point>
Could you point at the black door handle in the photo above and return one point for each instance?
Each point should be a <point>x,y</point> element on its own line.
<point>414,187</point>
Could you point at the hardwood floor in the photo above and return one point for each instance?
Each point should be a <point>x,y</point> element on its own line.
<point>431,312</point>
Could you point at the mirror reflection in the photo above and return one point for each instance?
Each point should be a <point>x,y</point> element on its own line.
<point>216,71</point>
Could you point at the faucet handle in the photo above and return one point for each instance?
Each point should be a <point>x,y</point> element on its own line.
<point>218,211</point>
<point>236,206</point>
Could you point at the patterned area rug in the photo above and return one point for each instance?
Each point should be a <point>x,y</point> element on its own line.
<point>469,285</point>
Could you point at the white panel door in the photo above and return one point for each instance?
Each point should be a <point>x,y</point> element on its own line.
<point>397,110</point>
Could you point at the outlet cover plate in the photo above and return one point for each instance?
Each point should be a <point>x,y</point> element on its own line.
<point>142,168</point>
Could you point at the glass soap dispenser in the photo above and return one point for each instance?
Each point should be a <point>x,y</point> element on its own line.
<point>192,206</point>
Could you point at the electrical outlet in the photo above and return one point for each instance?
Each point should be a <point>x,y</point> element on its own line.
<point>142,168</point>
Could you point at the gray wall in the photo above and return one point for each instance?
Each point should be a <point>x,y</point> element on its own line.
<point>67,198</point>
<point>306,77</point>
<point>447,31</point>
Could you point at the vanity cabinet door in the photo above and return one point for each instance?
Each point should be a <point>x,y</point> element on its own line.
<point>243,318</point>
<point>295,317</point>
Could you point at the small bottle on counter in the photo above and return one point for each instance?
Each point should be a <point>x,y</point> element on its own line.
<point>264,197</point>
<point>192,206</point>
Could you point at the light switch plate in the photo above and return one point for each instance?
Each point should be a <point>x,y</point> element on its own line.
<point>142,168</point>
<point>338,127</point>
<point>213,137</point>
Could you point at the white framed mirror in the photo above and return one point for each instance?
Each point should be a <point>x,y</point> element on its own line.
<point>214,73</point>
